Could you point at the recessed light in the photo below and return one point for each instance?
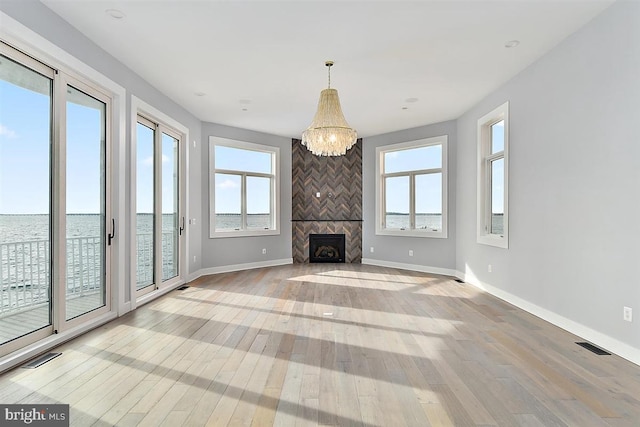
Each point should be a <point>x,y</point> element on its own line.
<point>405,108</point>
<point>244,109</point>
<point>511,43</point>
<point>115,13</point>
<point>199,93</point>
<point>411,100</point>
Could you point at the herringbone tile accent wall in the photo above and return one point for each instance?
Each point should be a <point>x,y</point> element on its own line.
<point>339,207</point>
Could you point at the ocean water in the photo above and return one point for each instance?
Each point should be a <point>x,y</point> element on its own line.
<point>24,246</point>
<point>27,228</point>
<point>233,221</point>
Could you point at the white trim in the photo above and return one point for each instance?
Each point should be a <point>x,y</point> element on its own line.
<point>239,267</point>
<point>613,345</point>
<point>28,352</point>
<point>380,191</point>
<point>483,177</point>
<point>412,267</point>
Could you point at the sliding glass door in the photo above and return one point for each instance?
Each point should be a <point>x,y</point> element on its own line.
<point>54,174</point>
<point>159,223</point>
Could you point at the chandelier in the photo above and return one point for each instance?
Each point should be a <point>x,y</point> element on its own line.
<point>329,133</point>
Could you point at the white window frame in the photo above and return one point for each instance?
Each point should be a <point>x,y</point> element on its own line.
<point>275,187</point>
<point>485,159</point>
<point>380,188</point>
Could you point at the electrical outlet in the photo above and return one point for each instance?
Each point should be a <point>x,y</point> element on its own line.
<point>264,251</point>
<point>489,268</point>
<point>195,258</point>
<point>627,314</point>
<point>371,249</point>
<point>410,252</point>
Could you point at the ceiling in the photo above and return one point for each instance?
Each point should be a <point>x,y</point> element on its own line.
<point>259,65</point>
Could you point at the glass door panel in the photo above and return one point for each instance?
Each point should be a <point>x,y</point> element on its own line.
<point>159,224</point>
<point>25,201</point>
<point>170,212</point>
<point>145,263</point>
<point>86,203</point>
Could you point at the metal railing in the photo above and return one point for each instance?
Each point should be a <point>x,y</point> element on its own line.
<point>26,268</point>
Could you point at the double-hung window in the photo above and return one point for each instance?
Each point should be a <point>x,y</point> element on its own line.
<point>244,185</point>
<point>411,188</point>
<point>493,167</point>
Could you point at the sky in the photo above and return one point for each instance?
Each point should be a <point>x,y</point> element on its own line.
<point>25,157</point>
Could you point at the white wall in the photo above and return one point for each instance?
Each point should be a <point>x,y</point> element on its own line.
<point>574,199</point>
<point>429,254</point>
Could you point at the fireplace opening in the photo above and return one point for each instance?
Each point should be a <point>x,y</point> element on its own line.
<point>326,248</point>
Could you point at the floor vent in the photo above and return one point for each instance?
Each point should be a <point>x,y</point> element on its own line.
<point>594,349</point>
<point>183,287</point>
<point>459,281</point>
<point>41,360</point>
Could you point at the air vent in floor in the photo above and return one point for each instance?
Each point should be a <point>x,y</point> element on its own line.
<point>41,360</point>
<point>182,288</point>
<point>594,349</point>
<point>459,281</point>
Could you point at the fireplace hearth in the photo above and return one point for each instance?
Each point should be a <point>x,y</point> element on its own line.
<point>327,248</point>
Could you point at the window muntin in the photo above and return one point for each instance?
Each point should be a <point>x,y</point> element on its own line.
<point>244,197</point>
<point>493,147</point>
<point>411,196</point>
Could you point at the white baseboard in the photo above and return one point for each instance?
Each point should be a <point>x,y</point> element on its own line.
<point>412,267</point>
<point>238,267</point>
<point>612,345</point>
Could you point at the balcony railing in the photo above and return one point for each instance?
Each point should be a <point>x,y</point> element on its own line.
<point>26,267</point>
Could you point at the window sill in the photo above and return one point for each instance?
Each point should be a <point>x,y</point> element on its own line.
<point>246,233</point>
<point>494,240</point>
<point>412,233</point>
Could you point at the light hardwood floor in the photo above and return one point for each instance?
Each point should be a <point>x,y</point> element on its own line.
<point>334,345</point>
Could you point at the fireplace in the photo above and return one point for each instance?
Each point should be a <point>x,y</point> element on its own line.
<point>326,248</point>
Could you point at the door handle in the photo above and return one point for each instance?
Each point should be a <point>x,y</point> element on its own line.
<point>111,235</point>
<point>181,228</point>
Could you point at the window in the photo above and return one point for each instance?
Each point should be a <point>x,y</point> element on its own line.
<point>411,189</point>
<point>493,173</point>
<point>244,183</point>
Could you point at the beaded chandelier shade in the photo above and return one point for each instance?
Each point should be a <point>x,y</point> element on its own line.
<point>329,133</point>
